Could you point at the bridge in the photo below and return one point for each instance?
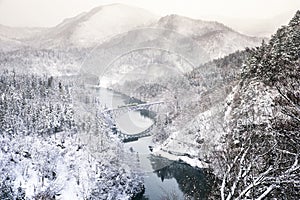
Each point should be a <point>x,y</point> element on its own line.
<point>110,116</point>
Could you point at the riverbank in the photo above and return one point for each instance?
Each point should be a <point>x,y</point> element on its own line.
<point>177,156</point>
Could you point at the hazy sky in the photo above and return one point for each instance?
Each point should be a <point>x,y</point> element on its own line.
<point>234,13</point>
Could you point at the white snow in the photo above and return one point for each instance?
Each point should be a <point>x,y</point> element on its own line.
<point>194,162</point>
<point>76,170</point>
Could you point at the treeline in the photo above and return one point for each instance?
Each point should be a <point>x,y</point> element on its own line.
<point>34,105</point>
<point>42,61</point>
<point>219,71</point>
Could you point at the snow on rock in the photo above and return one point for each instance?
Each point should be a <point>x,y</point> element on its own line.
<point>194,162</point>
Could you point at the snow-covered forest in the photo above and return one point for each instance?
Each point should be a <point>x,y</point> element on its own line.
<point>47,149</point>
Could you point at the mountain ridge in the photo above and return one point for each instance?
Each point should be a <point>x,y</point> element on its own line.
<point>103,22</point>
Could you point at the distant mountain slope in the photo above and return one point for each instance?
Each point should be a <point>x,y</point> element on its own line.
<point>18,33</point>
<point>12,38</point>
<point>190,27</point>
<point>104,22</point>
<point>217,39</point>
<point>195,41</point>
<point>115,30</point>
<point>153,46</point>
<point>7,44</point>
<point>97,25</point>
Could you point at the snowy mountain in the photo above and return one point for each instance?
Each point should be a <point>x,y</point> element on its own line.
<point>217,39</point>
<point>144,47</point>
<point>104,22</point>
<point>188,43</point>
<point>94,27</point>
<point>55,62</point>
<point>115,31</point>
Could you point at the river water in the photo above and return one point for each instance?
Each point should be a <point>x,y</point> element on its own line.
<point>163,178</point>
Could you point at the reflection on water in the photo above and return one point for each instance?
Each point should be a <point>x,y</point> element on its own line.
<point>175,181</point>
<point>191,181</point>
<point>133,122</point>
<point>166,179</point>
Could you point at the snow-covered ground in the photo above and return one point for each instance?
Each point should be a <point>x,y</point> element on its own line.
<point>61,166</point>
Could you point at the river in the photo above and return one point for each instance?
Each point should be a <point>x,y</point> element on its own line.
<point>163,178</point>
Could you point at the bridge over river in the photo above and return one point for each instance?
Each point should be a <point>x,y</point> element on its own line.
<point>110,116</point>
